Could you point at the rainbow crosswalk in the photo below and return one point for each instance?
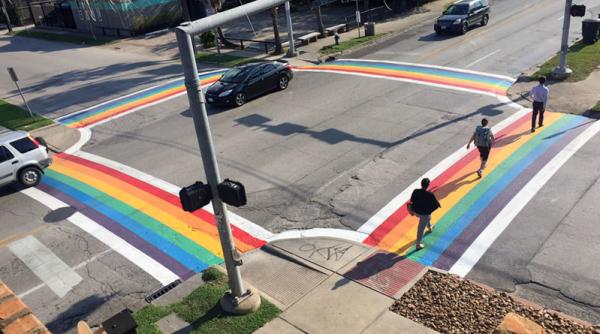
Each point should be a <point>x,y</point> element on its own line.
<point>132,102</point>
<point>470,204</point>
<point>147,217</point>
<point>424,74</point>
<point>469,81</point>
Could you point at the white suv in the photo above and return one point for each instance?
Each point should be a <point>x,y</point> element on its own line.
<point>22,158</point>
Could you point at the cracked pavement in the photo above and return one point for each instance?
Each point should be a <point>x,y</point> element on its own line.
<point>110,282</point>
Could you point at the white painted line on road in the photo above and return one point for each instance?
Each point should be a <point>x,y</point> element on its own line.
<point>400,79</point>
<point>238,221</point>
<point>84,136</point>
<point>472,255</point>
<point>433,66</point>
<point>77,267</point>
<point>373,223</point>
<point>48,267</point>
<point>482,58</point>
<point>320,232</point>
<point>116,98</point>
<point>137,257</point>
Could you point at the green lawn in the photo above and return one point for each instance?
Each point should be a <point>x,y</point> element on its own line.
<point>16,118</point>
<point>223,60</point>
<point>201,309</point>
<point>348,44</point>
<point>583,59</point>
<point>63,37</point>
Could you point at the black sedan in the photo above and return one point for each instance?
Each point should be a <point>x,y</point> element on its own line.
<point>242,83</point>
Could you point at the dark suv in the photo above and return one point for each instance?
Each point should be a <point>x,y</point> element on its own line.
<point>461,15</point>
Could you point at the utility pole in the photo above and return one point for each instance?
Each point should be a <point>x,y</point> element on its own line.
<point>6,16</point>
<point>562,71</point>
<point>239,300</point>
<point>288,16</point>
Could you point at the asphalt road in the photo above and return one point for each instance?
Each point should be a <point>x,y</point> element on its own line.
<point>60,78</point>
<point>328,152</point>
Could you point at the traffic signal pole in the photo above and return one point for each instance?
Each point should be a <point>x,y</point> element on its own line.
<point>562,71</point>
<point>239,300</point>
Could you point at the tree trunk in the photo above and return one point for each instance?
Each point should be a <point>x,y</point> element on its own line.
<point>278,48</point>
<point>225,41</point>
<point>320,21</point>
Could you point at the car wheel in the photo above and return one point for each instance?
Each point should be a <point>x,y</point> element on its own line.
<point>240,99</point>
<point>283,82</point>
<point>437,30</point>
<point>484,20</point>
<point>465,28</point>
<point>30,176</point>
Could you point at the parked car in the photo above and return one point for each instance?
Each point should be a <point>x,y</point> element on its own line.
<point>22,158</point>
<point>462,15</point>
<point>242,83</point>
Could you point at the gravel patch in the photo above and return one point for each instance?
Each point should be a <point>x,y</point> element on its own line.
<point>449,304</point>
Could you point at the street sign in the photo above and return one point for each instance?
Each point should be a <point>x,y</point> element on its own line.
<point>13,74</point>
<point>358,16</point>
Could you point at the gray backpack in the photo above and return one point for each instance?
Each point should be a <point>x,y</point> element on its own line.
<point>483,136</point>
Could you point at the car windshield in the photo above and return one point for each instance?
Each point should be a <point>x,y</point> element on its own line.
<point>460,9</point>
<point>237,74</point>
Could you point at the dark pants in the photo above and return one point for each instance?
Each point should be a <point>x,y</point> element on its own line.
<point>538,107</point>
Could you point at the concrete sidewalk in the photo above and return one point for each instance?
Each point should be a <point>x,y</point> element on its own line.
<point>326,285</point>
<point>164,44</point>
<point>322,285</point>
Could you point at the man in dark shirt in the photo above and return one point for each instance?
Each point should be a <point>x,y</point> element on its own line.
<point>423,204</point>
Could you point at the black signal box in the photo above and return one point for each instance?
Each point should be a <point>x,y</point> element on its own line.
<point>195,196</point>
<point>232,193</point>
<point>578,10</point>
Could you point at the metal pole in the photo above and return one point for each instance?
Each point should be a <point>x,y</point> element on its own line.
<point>562,70</point>
<point>6,16</point>
<point>288,17</point>
<point>198,110</point>
<point>24,101</point>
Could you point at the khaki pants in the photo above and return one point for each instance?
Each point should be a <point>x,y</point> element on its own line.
<point>424,221</point>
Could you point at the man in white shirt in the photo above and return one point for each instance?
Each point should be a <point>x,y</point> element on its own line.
<point>539,94</point>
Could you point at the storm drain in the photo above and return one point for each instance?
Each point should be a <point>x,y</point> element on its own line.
<point>162,291</point>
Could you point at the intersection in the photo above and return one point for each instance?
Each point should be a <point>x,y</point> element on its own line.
<point>338,155</point>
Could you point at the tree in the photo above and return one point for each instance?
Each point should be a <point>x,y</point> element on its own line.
<point>317,11</point>
<point>216,5</point>
<point>278,47</point>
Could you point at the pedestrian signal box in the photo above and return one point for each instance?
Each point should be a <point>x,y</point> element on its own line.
<point>232,193</point>
<point>195,196</point>
<point>578,10</point>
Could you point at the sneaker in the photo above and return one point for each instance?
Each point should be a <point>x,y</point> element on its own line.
<point>532,130</point>
<point>539,126</point>
<point>479,173</point>
<point>419,247</point>
<point>430,230</point>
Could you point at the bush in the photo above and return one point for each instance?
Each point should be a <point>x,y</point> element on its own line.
<point>208,39</point>
<point>212,274</point>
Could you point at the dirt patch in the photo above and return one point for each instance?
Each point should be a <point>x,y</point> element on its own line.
<point>449,304</point>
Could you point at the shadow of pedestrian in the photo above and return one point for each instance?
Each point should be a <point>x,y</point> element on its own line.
<point>369,267</point>
<point>446,189</point>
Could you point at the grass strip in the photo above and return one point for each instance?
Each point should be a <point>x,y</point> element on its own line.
<point>348,44</point>
<point>202,311</point>
<point>224,60</point>
<point>596,108</point>
<point>583,59</point>
<point>63,37</point>
<point>15,118</point>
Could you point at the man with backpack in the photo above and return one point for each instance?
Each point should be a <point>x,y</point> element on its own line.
<point>483,138</point>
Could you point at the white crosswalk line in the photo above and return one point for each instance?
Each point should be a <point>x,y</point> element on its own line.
<point>56,274</point>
